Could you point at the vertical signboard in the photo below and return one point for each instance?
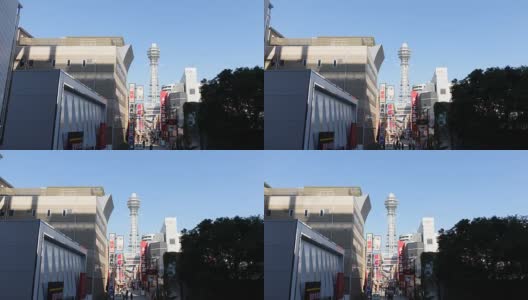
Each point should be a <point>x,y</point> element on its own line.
<point>120,243</point>
<point>143,257</point>
<point>383,93</point>
<point>401,245</point>
<point>111,243</point>
<point>369,242</point>
<point>140,93</point>
<point>390,93</point>
<point>377,243</point>
<point>132,93</point>
<point>414,96</point>
<point>163,108</point>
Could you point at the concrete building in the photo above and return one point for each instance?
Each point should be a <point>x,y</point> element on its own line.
<point>339,213</point>
<point>442,85</point>
<point>298,259</point>
<point>39,261</point>
<point>428,235</point>
<point>152,237</point>
<point>50,110</point>
<point>9,17</point>
<point>81,213</point>
<point>100,63</point>
<point>351,63</point>
<point>305,111</point>
<point>171,235</point>
<point>191,84</point>
<point>408,237</point>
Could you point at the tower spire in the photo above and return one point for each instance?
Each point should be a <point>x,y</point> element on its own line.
<point>391,203</point>
<point>133,205</point>
<point>153,54</point>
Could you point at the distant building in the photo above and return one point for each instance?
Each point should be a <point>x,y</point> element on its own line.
<point>298,259</point>
<point>100,63</point>
<point>191,85</point>
<point>172,237</point>
<point>81,213</point>
<point>428,235</point>
<point>305,111</point>
<point>351,63</point>
<point>37,258</point>
<point>9,17</point>
<point>409,237</point>
<point>442,85</point>
<point>153,237</point>
<point>50,110</point>
<point>338,213</point>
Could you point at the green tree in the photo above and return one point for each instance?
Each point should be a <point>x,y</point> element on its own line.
<point>486,258</point>
<point>232,110</point>
<point>224,259</point>
<point>490,109</point>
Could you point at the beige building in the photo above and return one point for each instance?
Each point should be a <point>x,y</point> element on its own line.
<point>339,213</point>
<point>100,63</point>
<point>351,63</point>
<point>81,213</point>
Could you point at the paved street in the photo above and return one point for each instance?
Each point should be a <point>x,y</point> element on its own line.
<point>136,296</point>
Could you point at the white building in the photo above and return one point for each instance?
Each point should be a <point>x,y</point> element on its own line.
<point>427,235</point>
<point>408,237</point>
<point>192,85</point>
<point>172,237</point>
<point>442,85</point>
<point>9,16</point>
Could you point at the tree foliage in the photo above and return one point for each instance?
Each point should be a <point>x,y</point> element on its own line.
<point>232,111</point>
<point>224,259</point>
<point>490,109</point>
<point>485,257</point>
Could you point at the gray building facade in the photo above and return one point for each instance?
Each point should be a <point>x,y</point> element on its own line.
<point>50,110</point>
<point>35,257</point>
<point>81,213</point>
<point>301,106</point>
<point>100,63</point>
<point>9,17</point>
<point>294,255</point>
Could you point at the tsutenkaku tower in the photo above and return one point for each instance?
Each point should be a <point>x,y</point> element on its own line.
<point>405,90</point>
<point>153,54</point>
<point>391,203</point>
<point>133,205</point>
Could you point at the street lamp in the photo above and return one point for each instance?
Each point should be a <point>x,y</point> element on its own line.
<point>368,117</point>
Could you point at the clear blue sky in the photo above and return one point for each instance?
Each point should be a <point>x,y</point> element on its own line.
<point>460,35</point>
<point>193,186</point>
<point>207,34</point>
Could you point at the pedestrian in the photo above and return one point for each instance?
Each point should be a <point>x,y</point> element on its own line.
<point>143,144</point>
<point>151,147</point>
<point>126,295</point>
<point>131,296</point>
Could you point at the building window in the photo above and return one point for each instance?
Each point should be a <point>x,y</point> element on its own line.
<point>306,213</point>
<point>49,212</point>
<point>442,91</point>
<point>335,63</point>
<point>268,212</point>
<point>11,212</point>
<point>304,62</point>
<point>192,91</point>
<point>429,241</point>
<point>172,241</point>
<point>319,63</point>
<point>53,63</point>
<point>290,212</point>
<point>69,62</point>
<point>84,63</point>
<point>321,213</point>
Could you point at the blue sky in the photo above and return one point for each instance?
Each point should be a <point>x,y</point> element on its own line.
<point>460,35</point>
<point>193,186</point>
<point>210,35</point>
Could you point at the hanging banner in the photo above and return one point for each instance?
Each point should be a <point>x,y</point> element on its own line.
<point>120,244</point>
<point>111,243</point>
<point>132,93</point>
<point>369,242</point>
<point>377,243</point>
<point>382,93</point>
